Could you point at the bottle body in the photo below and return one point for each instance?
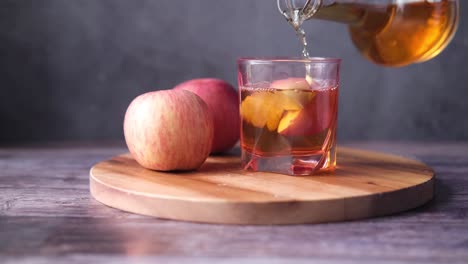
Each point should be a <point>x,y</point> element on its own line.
<point>393,32</point>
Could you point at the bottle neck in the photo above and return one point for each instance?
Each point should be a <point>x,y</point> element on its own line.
<point>311,7</point>
<point>342,11</point>
<point>338,12</point>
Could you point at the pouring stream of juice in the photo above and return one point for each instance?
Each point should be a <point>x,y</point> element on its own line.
<point>295,16</point>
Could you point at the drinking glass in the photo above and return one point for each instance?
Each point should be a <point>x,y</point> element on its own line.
<point>288,109</point>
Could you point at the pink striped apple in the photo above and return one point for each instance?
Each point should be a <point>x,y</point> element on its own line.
<point>169,130</point>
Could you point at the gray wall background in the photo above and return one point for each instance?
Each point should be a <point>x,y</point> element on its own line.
<point>68,69</point>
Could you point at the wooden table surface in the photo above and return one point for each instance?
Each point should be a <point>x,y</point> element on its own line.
<point>48,216</point>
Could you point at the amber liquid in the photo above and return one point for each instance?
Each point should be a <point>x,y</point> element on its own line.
<point>397,34</point>
<point>312,131</point>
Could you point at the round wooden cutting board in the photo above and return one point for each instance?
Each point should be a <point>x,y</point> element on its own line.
<point>365,184</point>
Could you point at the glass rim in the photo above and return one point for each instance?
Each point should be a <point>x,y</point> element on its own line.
<point>269,60</point>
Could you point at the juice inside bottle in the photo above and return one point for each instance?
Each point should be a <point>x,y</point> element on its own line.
<point>397,34</point>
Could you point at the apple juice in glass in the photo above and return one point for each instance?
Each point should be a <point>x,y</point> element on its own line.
<point>288,109</point>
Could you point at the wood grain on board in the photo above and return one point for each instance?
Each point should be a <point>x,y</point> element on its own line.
<point>365,184</point>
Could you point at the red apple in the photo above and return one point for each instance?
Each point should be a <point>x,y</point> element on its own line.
<point>222,100</point>
<point>169,130</point>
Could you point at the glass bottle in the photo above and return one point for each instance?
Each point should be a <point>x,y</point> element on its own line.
<point>387,32</point>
